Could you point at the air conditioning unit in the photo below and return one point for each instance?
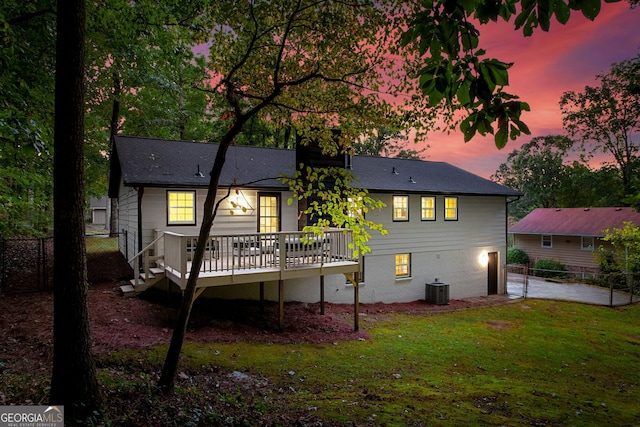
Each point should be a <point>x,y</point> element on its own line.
<point>437,293</point>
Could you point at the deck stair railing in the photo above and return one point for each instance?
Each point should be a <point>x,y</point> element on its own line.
<point>148,273</point>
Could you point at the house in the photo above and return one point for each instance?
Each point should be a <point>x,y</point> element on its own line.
<point>99,208</point>
<point>569,235</point>
<point>444,224</point>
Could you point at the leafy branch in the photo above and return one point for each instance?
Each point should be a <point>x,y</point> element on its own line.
<point>332,201</point>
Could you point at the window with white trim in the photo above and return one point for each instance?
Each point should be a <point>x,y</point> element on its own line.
<point>428,208</point>
<point>547,241</point>
<point>451,208</point>
<point>401,208</point>
<point>268,212</point>
<point>403,265</point>
<point>587,243</point>
<point>181,207</point>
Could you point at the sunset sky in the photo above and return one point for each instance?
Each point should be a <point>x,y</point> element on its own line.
<point>545,66</point>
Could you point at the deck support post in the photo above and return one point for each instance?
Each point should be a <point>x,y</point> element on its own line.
<point>281,304</point>
<point>356,307</point>
<point>356,301</point>
<point>262,297</point>
<point>322,295</point>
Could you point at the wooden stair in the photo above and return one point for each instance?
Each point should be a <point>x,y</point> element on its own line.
<point>132,289</point>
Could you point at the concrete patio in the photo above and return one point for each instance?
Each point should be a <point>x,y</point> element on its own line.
<point>540,288</point>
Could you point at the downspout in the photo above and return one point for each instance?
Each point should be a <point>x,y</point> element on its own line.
<point>506,218</point>
<point>140,194</point>
<point>506,235</point>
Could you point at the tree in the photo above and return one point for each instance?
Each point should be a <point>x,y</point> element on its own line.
<point>453,71</point>
<point>142,72</point>
<point>387,143</point>
<point>74,382</point>
<point>606,118</point>
<point>626,254</point>
<point>584,186</point>
<point>540,169</point>
<point>27,65</point>
<point>304,64</point>
<point>537,170</point>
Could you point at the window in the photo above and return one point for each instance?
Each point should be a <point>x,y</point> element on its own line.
<point>450,208</point>
<point>401,208</point>
<point>547,241</point>
<point>181,207</point>
<point>428,208</point>
<point>403,265</point>
<point>587,243</point>
<point>269,213</point>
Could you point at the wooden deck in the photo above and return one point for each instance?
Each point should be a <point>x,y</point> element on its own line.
<point>248,258</point>
<point>253,258</point>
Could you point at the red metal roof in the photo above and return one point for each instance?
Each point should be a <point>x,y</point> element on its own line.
<point>574,221</point>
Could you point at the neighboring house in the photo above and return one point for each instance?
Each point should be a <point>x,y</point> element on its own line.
<point>444,224</point>
<point>98,208</point>
<point>569,235</point>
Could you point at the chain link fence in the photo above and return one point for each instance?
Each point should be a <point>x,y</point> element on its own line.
<point>582,286</point>
<point>26,265</point>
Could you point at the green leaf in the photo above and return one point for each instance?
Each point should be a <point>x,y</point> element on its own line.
<point>590,8</point>
<point>501,136</point>
<point>544,14</point>
<point>563,12</point>
<point>464,93</point>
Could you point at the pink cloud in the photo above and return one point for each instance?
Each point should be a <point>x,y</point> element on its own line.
<point>545,66</point>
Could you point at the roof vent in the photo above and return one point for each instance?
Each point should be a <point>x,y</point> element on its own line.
<point>411,180</point>
<point>199,174</point>
<point>394,171</point>
<point>587,209</point>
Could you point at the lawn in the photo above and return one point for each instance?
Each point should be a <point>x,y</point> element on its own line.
<point>528,363</point>
<point>100,243</point>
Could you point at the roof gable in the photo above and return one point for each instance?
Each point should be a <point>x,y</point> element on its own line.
<point>574,221</point>
<point>157,162</point>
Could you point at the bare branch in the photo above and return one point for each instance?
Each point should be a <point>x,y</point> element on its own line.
<point>19,20</point>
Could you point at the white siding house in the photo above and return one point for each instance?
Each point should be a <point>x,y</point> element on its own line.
<point>444,224</point>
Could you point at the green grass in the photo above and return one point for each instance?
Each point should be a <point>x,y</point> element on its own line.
<point>96,244</point>
<point>529,363</point>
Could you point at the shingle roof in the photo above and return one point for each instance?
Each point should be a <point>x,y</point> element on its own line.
<point>574,221</point>
<point>157,162</point>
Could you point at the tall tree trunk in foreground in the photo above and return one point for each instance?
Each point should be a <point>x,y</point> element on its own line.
<point>113,131</point>
<point>170,366</point>
<point>74,383</point>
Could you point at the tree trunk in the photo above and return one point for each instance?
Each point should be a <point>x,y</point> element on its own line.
<point>113,131</point>
<point>170,366</point>
<point>74,383</point>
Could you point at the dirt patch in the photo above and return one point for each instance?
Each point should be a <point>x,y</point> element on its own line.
<point>118,322</point>
<point>499,325</point>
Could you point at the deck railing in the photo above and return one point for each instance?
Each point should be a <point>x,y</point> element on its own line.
<point>228,254</point>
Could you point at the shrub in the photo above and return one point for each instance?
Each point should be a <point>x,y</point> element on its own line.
<point>517,256</point>
<point>548,268</point>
